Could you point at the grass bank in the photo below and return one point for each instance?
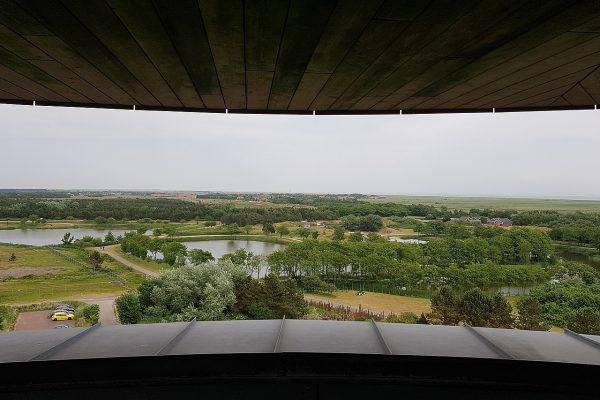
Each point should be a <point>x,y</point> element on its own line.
<point>41,274</point>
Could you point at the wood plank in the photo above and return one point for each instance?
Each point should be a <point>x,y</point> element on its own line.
<point>13,15</point>
<point>549,95</point>
<point>419,47</point>
<point>30,85</point>
<point>64,54</point>
<point>18,91</point>
<point>376,38</point>
<point>539,91</point>
<point>8,96</point>
<point>548,50</point>
<point>24,68</point>
<point>431,74</point>
<point>546,23</point>
<point>573,59</point>
<point>584,64</point>
<point>183,22</point>
<point>348,20</point>
<point>592,85</point>
<point>259,87</point>
<point>19,46</point>
<point>570,79</point>
<point>577,96</point>
<point>264,22</point>
<point>142,22</point>
<point>310,85</point>
<point>304,26</point>
<point>560,102</point>
<point>224,24</point>
<point>70,78</point>
<point>437,53</point>
<point>406,10</point>
<point>70,30</point>
<point>109,29</point>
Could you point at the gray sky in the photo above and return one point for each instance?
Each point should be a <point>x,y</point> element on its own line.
<point>543,154</point>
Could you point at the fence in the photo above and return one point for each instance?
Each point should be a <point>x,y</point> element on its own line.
<point>117,279</point>
<point>344,313</point>
<point>382,286</point>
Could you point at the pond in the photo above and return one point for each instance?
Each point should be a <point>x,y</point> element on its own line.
<point>220,247</point>
<point>44,237</point>
<point>587,256</point>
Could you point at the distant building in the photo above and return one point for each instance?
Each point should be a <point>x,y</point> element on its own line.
<point>500,222</point>
<point>471,220</point>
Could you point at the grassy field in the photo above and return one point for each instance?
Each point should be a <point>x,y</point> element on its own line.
<point>377,301</point>
<point>466,203</point>
<point>46,276</point>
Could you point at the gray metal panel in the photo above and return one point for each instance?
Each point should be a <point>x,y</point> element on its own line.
<point>594,338</point>
<point>433,340</point>
<point>24,345</point>
<point>330,337</point>
<point>229,337</point>
<point>542,346</point>
<point>121,341</point>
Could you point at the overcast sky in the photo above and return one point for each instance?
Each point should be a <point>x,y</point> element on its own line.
<point>543,154</point>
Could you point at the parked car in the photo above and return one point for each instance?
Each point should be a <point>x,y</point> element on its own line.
<point>61,316</point>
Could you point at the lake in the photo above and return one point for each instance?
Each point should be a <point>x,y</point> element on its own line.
<point>583,255</point>
<point>44,237</point>
<point>220,247</point>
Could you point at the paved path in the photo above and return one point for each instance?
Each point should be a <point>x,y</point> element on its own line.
<point>107,310</point>
<point>110,251</point>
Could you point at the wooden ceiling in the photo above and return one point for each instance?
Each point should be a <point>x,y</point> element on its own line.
<point>300,56</point>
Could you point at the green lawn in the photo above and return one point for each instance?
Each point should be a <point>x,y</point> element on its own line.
<point>64,280</point>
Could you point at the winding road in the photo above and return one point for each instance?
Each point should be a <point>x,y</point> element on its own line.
<point>110,251</point>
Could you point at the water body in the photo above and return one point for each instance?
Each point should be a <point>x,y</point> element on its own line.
<point>44,237</point>
<point>572,254</point>
<point>220,247</point>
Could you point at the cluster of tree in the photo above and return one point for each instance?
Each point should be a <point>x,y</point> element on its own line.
<point>112,209</point>
<point>507,246</point>
<point>140,245</point>
<point>554,219</point>
<point>577,234</point>
<point>571,300</point>
<point>572,304</point>
<point>472,307</point>
<point>211,291</point>
<point>370,223</point>
<point>396,264</point>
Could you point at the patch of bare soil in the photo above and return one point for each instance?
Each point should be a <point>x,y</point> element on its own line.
<point>21,272</point>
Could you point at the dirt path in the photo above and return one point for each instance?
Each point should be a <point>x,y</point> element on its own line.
<point>107,310</point>
<point>110,251</point>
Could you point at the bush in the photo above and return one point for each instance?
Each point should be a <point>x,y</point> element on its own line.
<point>312,283</point>
<point>92,313</point>
<point>403,318</point>
<point>128,308</point>
<point>3,316</point>
<point>585,320</point>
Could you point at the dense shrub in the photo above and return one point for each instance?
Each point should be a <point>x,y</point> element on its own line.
<point>92,313</point>
<point>128,308</point>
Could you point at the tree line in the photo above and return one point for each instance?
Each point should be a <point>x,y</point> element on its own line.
<point>211,291</point>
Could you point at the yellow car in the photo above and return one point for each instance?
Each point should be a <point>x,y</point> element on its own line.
<point>62,316</point>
